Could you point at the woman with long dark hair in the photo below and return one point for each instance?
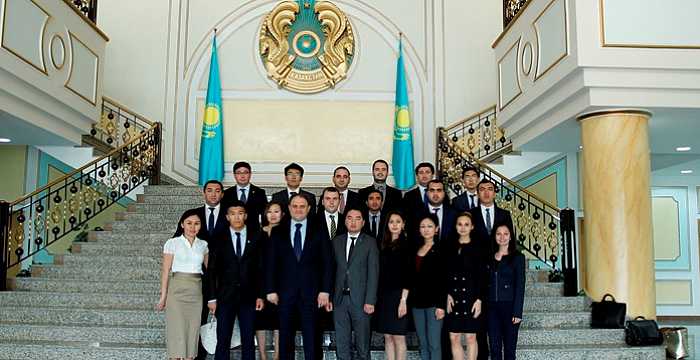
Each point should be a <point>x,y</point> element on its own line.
<point>395,273</point>
<point>506,294</point>
<point>266,320</point>
<point>466,288</point>
<point>428,296</point>
<point>181,287</point>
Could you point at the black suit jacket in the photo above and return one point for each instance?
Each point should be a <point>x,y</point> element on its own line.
<point>381,223</point>
<point>353,201</point>
<point>447,228</point>
<point>392,198</point>
<point>282,197</point>
<point>292,279</point>
<point>221,224</point>
<point>324,231</point>
<point>233,279</point>
<point>256,200</point>
<point>461,202</point>
<point>481,235</point>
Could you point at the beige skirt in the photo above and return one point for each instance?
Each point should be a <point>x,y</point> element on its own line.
<point>183,314</point>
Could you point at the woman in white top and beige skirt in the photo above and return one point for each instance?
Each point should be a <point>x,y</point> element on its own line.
<point>181,287</point>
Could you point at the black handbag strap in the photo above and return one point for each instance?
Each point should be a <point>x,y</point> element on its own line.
<point>640,318</point>
<point>608,295</point>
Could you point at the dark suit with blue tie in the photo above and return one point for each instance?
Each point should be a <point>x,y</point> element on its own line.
<point>299,267</point>
<point>255,201</point>
<point>465,201</point>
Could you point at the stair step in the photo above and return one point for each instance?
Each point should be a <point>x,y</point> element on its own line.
<point>557,304</point>
<point>113,272</point>
<point>590,352</point>
<point>113,248</point>
<point>35,299</point>
<point>54,350</point>
<point>146,226</point>
<point>195,199</point>
<point>75,316</point>
<point>87,261</point>
<point>151,287</point>
<point>92,334</point>
<point>131,238</point>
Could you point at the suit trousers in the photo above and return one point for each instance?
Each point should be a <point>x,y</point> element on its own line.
<point>306,311</point>
<point>482,335</point>
<point>503,334</point>
<point>226,313</point>
<point>346,319</point>
<point>429,331</point>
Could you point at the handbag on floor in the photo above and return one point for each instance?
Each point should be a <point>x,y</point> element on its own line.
<point>642,332</point>
<point>608,314</point>
<point>676,342</point>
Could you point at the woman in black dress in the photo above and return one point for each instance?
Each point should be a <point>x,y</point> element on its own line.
<point>267,318</point>
<point>395,268</point>
<point>466,289</point>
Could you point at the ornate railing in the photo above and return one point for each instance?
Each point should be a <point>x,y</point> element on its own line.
<point>537,222</point>
<point>37,220</point>
<point>86,7</point>
<point>511,8</point>
<point>118,125</point>
<point>480,136</point>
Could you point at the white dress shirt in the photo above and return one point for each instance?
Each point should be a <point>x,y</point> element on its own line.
<point>378,214</point>
<point>328,221</point>
<point>247,191</point>
<point>422,189</point>
<point>349,242</point>
<point>290,191</point>
<point>492,214</point>
<point>472,197</point>
<point>439,213</point>
<point>244,237</point>
<point>293,229</point>
<point>186,258</point>
<point>217,210</point>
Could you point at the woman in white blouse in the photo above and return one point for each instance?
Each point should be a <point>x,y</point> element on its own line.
<point>181,287</point>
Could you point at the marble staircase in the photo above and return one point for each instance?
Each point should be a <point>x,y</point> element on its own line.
<point>98,302</point>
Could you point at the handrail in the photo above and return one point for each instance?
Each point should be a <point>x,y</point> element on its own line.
<point>118,124</point>
<point>536,220</point>
<point>126,109</point>
<point>87,10</point>
<point>36,220</point>
<point>479,135</point>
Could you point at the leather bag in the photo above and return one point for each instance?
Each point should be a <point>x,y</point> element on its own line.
<point>643,332</point>
<point>676,342</point>
<point>608,314</point>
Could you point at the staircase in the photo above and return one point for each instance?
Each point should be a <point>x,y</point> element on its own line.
<point>98,302</point>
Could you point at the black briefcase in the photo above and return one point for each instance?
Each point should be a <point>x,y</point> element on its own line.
<point>643,332</point>
<point>608,314</point>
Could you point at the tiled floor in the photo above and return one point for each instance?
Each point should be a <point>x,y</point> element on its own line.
<point>693,335</point>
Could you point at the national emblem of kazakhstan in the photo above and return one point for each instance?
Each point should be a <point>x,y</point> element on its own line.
<point>306,46</point>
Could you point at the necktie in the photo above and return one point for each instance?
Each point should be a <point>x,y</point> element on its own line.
<point>346,283</point>
<point>488,221</point>
<point>435,210</point>
<point>292,193</point>
<point>297,241</point>
<point>334,227</point>
<point>243,198</point>
<point>425,197</point>
<point>342,204</point>
<point>382,188</point>
<point>374,226</point>
<point>211,220</point>
<point>238,244</point>
<point>352,246</point>
<point>471,201</point>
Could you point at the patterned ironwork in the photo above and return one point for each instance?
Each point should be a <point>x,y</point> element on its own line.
<point>87,8</point>
<point>480,136</point>
<point>511,8</point>
<point>536,222</point>
<point>37,220</point>
<point>118,125</point>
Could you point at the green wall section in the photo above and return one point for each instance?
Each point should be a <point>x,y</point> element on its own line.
<point>14,162</point>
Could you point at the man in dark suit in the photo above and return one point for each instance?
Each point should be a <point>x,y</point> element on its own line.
<point>469,198</point>
<point>298,276</point>
<point>392,196</point>
<point>484,217</point>
<point>437,205</point>
<point>416,200</point>
<point>348,198</point>
<point>293,175</point>
<point>235,282</point>
<point>355,293</point>
<point>253,197</point>
<point>214,222</point>
<point>374,225</point>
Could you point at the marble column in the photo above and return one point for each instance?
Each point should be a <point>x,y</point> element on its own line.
<point>618,248</point>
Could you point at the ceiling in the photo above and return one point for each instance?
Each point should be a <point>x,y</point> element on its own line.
<point>24,133</point>
<point>668,129</point>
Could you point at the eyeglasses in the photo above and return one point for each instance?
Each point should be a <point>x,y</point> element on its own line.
<point>241,172</point>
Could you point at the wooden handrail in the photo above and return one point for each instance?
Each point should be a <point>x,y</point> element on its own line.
<point>460,122</point>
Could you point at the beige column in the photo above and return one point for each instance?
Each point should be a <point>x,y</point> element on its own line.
<point>618,246</point>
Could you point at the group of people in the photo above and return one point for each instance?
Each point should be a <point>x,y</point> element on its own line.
<point>374,260</point>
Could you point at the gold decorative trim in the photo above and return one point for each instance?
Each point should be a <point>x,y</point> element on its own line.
<point>63,47</point>
<point>510,24</point>
<point>532,58</point>
<point>517,76</point>
<point>604,43</point>
<point>41,40</point>
<point>597,113</point>
<point>70,70</point>
<point>85,19</point>
<point>537,34</point>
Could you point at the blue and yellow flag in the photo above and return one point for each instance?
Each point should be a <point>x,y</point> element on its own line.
<point>211,148</point>
<point>402,158</point>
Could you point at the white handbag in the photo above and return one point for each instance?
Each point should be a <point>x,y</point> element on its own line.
<point>207,333</point>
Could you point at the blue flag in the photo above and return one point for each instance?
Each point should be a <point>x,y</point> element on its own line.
<point>402,158</point>
<point>211,148</point>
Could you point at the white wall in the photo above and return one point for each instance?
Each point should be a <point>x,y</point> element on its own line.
<point>160,73</point>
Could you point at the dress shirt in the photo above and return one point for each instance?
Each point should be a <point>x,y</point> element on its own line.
<point>472,196</point>
<point>328,221</point>
<point>439,213</point>
<point>347,246</point>
<point>186,258</point>
<point>422,189</point>
<point>217,210</point>
<point>293,229</point>
<point>290,191</point>
<point>247,191</point>
<point>244,236</point>
<point>492,214</point>
<point>378,214</point>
